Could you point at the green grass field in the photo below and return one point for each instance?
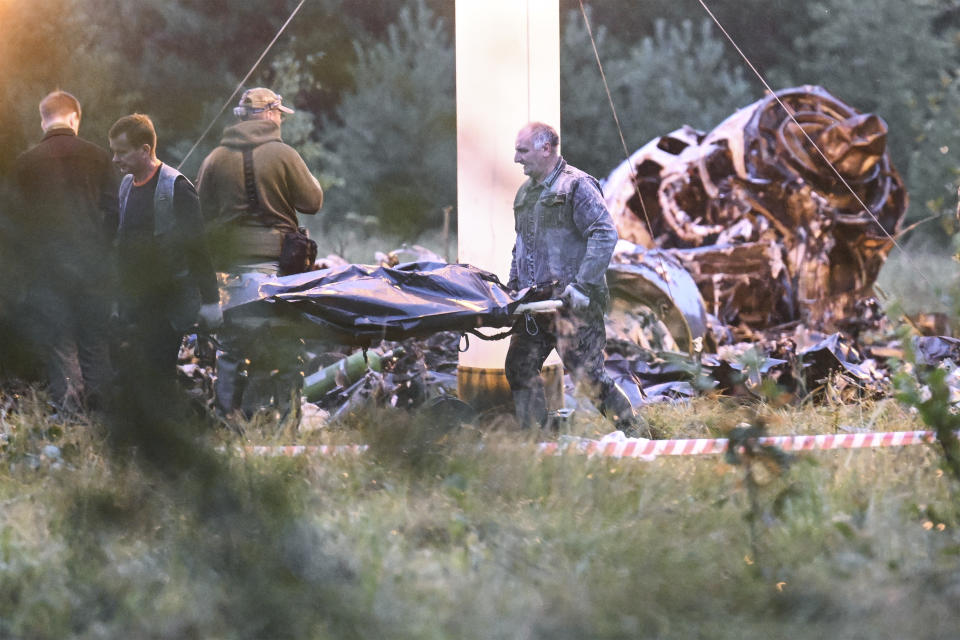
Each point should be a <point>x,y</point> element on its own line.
<point>470,533</point>
<point>921,278</point>
<point>473,535</point>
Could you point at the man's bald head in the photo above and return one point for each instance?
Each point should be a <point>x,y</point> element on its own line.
<point>537,149</point>
<point>542,134</point>
<point>60,109</point>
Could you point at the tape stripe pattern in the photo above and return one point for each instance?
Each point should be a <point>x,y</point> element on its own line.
<point>641,448</point>
<point>649,449</point>
<point>300,450</point>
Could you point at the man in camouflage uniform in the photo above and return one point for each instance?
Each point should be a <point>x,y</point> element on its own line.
<point>565,236</point>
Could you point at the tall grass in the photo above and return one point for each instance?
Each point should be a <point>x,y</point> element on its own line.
<point>469,534</point>
<point>923,277</point>
<point>153,524</point>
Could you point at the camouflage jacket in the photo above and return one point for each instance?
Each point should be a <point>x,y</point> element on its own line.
<point>564,231</point>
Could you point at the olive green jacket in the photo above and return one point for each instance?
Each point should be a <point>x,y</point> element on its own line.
<point>284,187</point>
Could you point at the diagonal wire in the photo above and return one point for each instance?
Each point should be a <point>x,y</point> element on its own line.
<point>606,87</point>
<point>812,143</point>
<point>623,142</point>
<point>240,85</point>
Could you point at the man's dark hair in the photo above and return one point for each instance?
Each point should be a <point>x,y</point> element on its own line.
<point>542,134</point>
<point>58,104</point>
<point>139,130</point>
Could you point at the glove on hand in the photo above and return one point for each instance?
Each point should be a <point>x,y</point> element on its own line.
<point>210,316</point>
<point>576,299</point>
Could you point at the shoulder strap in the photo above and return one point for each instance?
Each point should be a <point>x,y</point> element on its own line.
<point>250,181</point>
<point>250,186</point>
<point>125,187</point>
<point>164,219</point>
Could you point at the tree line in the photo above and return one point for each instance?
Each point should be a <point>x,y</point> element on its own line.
<point>373,82</point>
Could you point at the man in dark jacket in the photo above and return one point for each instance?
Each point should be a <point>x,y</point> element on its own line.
<point>252,187</point>
<point>66,223</point>
<point>167,282</point>
<point>565,238</point>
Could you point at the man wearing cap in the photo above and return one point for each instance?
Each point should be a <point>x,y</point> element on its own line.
<point>565,238</point>
<point>167,282</point>
<point>283,186</point>
<point>251,188</point>
<point>65,226</point>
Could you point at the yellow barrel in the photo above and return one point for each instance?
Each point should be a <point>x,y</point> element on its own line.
<point>487,389</point>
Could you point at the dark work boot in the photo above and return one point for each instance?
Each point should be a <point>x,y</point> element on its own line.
<point>617,408</point>
<point>229,386</point>
<point>273,391</point>
<point>530,407</point>
<point>637,427</point>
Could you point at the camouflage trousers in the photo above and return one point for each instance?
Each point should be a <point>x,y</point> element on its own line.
<point>259,369</point>
<point>579,338</point>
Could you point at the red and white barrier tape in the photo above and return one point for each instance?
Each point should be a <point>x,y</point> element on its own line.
<point>301,450</point>
<point>621,447</point>
<point>643,448</point>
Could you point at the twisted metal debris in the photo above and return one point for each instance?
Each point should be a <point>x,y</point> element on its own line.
<point>743,250</point>
<point>763,224</point>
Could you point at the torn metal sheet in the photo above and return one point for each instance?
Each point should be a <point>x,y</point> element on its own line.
<point>932,350</point>
<point>641,174</point>
<point>657,281</point>
<point>758,179</point>
<point>836,354</point>
<point>743,375</point>
<point>741,283</point>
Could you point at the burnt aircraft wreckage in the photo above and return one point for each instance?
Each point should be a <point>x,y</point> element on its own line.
<point>780,223</point>
<point>770,231</point>
<point>747,252</point>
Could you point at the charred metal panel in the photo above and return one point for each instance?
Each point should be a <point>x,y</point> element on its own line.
<point>754,202</point>
<point>655,280</point>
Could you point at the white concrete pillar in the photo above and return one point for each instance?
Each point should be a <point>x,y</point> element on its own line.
<point>508,74</point>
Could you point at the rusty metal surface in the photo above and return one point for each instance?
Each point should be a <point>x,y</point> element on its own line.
<point>782,254</point>
<point>764,225</point>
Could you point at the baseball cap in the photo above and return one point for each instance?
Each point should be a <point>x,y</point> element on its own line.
<point>262,99</point>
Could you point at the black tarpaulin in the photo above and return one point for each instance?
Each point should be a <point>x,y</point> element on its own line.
<point>360,303</point>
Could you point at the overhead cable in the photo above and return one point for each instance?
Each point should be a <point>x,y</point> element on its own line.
<point>240,85</point>
<point>790,113</point>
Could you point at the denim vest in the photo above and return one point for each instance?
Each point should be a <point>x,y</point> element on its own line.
<point>164,219</point>
<point>185,301</point>
<point>564,231</point>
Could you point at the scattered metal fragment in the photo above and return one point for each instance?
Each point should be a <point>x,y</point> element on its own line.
<point>836,354</point>
<point>932,350</point>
